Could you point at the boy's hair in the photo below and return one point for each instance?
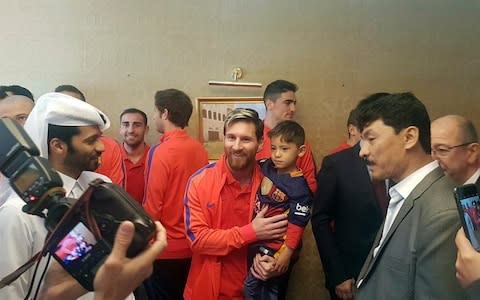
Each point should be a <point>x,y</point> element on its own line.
<point>289,131</point>
<point>177,103</point>
<point>247,115</point>
<point>352,118</point>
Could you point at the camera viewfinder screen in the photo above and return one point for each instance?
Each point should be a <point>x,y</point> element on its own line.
<point>75,245</point>
<point>471,216</point>
<point>27,178</point>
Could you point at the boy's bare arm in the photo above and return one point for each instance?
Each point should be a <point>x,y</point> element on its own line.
<point>283,260</point>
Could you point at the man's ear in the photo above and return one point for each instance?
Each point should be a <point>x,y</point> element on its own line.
<point>411,137</point>
<point>269,104</point>
<point>164,114</point>
<point>473,153</point>
<point>302,150</point>
<point>350,129</point>
<point>58,146</point>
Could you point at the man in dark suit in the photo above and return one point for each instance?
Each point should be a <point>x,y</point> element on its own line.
<point>413,255</point>
<point>346,215</point>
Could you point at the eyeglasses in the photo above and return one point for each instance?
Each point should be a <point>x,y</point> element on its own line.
<point>443,151</point>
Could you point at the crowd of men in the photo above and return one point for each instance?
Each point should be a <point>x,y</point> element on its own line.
<point>383,216</point>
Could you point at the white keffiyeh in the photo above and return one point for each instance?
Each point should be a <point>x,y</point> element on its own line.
<point>64,110</point>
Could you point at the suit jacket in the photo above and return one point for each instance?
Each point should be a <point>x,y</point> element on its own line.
<point>345,195</point>
<point>417,258</point>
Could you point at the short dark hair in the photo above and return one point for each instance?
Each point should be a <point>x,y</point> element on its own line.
<point>135,111</point>
<point>277,87</point>
<point>63,133</point>
<point>177,103</point>
<point>70,88</point>
<point>3,95</point>
<point>289,131</point>
<point>399,110</point>
<point>247,115</point>
<point>15,90</point>
<point>353,116</point>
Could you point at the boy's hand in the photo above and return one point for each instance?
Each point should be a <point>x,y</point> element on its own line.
<point>283,260</point>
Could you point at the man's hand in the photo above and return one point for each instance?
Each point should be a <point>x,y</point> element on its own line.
<point>269,228</point>
<point>468,260</point>
<point>120,275</point>
<point>58,284</point>
<point>345,289</point>
<point>263,267</point>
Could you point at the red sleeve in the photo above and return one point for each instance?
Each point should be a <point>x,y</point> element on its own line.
<point>155,185</point>
<point>117,168</point>
<point>307,164</point>
<point>294,235</point>
<point>203,238</point>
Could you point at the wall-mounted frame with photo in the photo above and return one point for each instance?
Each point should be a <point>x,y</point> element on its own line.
<point>212,112</point>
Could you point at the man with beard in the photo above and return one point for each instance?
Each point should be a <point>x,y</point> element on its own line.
<point>66,131</point>
<point>111,159</point>
<point>169,165</point>
<point>219,203</point>
<point>133,128</point>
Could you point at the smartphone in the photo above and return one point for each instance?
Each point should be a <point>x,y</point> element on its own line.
<point>468,204</point>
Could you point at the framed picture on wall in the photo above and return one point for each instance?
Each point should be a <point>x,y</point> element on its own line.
<point>212,112</point>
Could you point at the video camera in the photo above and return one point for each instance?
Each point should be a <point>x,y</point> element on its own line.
<point>81,232</point>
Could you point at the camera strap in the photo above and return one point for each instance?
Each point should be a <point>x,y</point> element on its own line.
<point>83,202</point>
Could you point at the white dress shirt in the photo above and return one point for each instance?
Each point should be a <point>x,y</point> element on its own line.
<point>5,189</point>
<point>474,178</point>
<point>398,193</point>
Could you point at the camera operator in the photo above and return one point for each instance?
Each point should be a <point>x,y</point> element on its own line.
<point>117,277</point>
<point>66,131</point>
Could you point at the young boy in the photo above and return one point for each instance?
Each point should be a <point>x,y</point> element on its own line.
<point>285,191</point>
